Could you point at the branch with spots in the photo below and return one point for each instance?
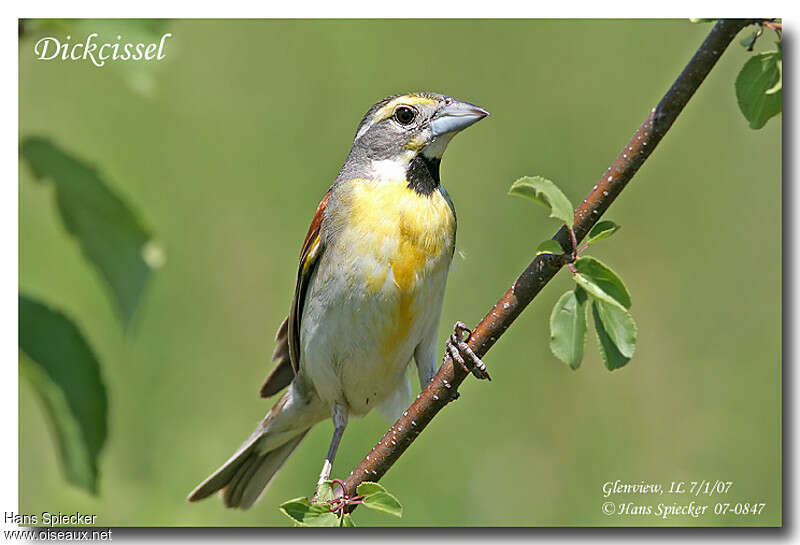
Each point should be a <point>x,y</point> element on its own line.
<point>436,394</point>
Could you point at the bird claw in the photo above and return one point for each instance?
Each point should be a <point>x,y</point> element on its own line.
<point>339,503</point>
<point>458,349</point>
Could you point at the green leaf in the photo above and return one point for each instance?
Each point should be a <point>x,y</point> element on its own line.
<point>549,247</point>
<point>619,326</point>
<point>376,497</point>
<point>347,521</point>
<point>601,282</point>
<point>602,229</point>
<point>108,231</point>
<point>368,487</point>
<point>778,84</point>
<point>65,373</point>
<point>383,501</point>
<point>758,88</point>
<point>568,327</point>
<point>702,20</point>
<point>305,513</point>
<point>612,357</point>
<point>592,288</point>
<point>545,192</point>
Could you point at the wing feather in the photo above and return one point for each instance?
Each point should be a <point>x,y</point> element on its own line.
<point>282,374</point>
<point>287,349</point>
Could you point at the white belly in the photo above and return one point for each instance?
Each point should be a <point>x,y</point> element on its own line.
<point>356,344</point>
<point>376,292</point>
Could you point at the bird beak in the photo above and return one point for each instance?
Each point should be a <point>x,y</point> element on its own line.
<point>455,117</point>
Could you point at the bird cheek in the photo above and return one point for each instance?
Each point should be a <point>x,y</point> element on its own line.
<point>417,142</point>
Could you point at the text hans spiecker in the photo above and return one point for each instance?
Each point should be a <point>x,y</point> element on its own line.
<point>46,518</point>
<point>50,48</point>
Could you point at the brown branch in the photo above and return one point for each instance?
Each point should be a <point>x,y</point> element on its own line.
<point>439,390</point>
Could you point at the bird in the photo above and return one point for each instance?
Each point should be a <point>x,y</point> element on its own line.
<point>369,291</point>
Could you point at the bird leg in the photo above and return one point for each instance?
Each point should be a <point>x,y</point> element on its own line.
<point>458,349</point>
<point>339,415</point>
<point>339,424</point>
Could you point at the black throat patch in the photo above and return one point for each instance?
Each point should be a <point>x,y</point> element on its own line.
<point>423,174</point>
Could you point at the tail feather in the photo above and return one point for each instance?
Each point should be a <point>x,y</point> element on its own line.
<point>246,474</point>
<point>232,492</point>
<point>221,477</point>
<point>244,477</point>
<point>256,474</point>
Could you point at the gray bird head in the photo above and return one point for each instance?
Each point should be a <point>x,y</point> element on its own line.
<point>406,132</point>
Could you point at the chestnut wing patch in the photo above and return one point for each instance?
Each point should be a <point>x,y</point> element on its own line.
<point>287,349</point>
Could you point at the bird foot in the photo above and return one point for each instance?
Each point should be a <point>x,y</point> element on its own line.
<point>340,502</point>
<point>458,349</point>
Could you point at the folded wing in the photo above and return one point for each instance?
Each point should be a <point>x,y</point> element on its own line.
<point>287,341</point>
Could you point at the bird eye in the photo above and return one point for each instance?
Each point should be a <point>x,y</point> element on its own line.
<point>405,115</point>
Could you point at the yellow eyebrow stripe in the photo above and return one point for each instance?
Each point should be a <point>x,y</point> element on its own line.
<point>409,100</point>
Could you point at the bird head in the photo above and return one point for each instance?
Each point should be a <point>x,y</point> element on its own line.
<point>403,133</point>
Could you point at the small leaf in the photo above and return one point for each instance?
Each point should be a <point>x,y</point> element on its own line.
<point>602,229</point>
<point>758,88</point>
<point>108,231</point>
<point>611,354</point>
<point>549,247</point>
<point>601,282</point>
<point>592,288</point>
<point>619,326</point>
<point>347,521</point>
<point>547,193</point>
<point>568,327</point>
<point>305,513</point>
<point>65,373</point>
<point>385,502</point>
<point>376,497</point>
<point>368,487</point>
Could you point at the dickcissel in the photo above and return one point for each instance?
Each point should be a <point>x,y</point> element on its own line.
<point>369,291</point>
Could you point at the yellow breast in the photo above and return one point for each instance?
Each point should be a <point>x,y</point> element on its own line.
<point>396,239</point>
<point>402,230</point>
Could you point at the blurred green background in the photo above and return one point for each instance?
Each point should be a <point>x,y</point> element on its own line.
<point>227,147</point>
